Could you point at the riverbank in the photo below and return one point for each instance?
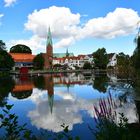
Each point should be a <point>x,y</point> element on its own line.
<point>38,72</point>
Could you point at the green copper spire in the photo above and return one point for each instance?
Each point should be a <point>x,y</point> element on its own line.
<point>49,37</point>
<point>50,100</point>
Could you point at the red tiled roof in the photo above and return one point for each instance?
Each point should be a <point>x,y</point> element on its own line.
<point>22,57</point>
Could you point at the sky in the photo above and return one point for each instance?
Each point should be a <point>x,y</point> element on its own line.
<point>82,26</point>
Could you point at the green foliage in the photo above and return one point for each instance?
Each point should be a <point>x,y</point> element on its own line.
<point>108,126</point>
<point>109,130</point>
<point>22,94</point>
<point>20,48</point>
<point>100,83</point>
<point>6,85</point>
<point>136,54</point>
<point>124,67</point>
<point>9,122</point>
<point>2,45</point>
<point>38,62</point>
<point>87,65</point>
<point>6,61</point>
<point>100,58</point>
<point>39,82</point>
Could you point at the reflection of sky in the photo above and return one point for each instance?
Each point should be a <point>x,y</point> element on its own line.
<point>67,107</point>
<point>72,105</point>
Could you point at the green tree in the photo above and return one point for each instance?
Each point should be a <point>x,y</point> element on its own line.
<point>2,45</point>
<point>38,61</point>
<point>136,54</point>
<point>20,48</point>
<point>100,58</point>
<point>87,65</point>
<point>6,61</point>
<point>124,65</point>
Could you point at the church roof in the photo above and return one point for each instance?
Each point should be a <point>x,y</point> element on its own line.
<point>61,55</point>
<point>22,57</point>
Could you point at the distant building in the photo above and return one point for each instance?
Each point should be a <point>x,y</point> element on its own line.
<point>73,61</point>
<point>112,59</point>
<point>22,60</point>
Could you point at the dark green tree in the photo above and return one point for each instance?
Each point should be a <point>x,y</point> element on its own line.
<point>2,45</point>
<point>87,65</point>
<point>123,60</point>
<point>6,61</point>
<point>20,48</point>
<point>124,67</point>
<point>38,61</point>
<point>136,54</point>
<point>100,58</point>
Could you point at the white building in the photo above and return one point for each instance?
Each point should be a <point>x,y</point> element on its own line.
<point>112,60</point>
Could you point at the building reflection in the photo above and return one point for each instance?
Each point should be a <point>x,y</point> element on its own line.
<point>23,87</point>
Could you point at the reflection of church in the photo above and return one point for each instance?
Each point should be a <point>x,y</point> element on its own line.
<point>24,85</point>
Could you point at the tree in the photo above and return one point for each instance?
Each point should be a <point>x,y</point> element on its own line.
<point>87,65</point>
<point>2,45</point>
<point>123,60</point>
<point>100,58</point>
<point>136,54</point>
<point>38,61</point>
<point>6,61</point>
<point>20,48</point>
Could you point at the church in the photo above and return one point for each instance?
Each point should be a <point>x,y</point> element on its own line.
<point>51,59</point>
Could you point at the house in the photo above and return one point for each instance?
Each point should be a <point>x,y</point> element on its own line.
<point>112,60</point>
<point>22,60</point>
<point>73,61</point>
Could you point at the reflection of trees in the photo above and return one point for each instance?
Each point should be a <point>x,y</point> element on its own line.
<point>39,82</point>
<point>100,83</point>
<point>22,94</point>
<point>6,86</point>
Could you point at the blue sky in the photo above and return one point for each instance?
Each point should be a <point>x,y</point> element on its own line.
<point>83,26</point>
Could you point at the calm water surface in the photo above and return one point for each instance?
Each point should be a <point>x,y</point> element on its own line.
<point>45,102</point>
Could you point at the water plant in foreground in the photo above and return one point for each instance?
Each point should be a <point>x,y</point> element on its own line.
<point>11,127</point>
<point>110,125</point>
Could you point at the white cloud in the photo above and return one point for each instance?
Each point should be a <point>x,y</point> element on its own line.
<point>67,28</point>
<point>64,42</point>
<point>1,15</point>
<point>8,3</point>
<point>64,110</point>
<point>67,110</point>
<point>62,21</point>
<point>120,22</point>
<point>35,43</point>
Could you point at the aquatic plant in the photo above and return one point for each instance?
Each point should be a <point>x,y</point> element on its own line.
<point>107,125</point>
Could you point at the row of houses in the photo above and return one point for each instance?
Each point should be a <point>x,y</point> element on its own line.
<point>26,60</point>
<point>51,59</point>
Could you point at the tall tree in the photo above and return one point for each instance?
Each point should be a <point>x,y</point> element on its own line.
<point>87,65</point>
<point>38,61</point>
<point>6,61</point>
<point>20,48</point>
<point>100,58</point>
<point>136,54</point>
<point>2,45</point>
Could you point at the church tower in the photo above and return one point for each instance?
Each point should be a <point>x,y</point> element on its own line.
<point>49,51</point>
<point>49,45</point>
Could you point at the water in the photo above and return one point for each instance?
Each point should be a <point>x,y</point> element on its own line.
<point>45,102</point>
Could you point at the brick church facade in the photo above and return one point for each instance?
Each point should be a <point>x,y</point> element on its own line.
<point>48,56</point>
